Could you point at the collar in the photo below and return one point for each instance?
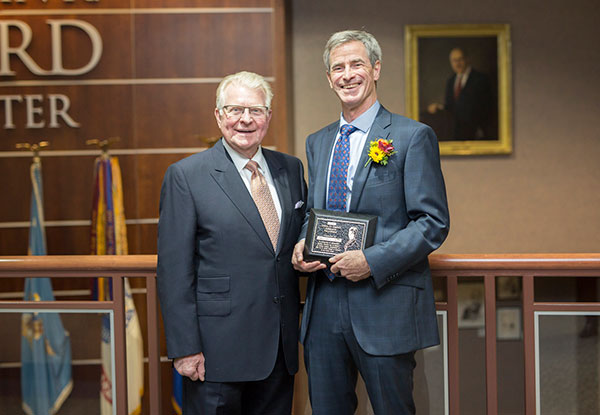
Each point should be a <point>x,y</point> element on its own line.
<point>240,161</point>
<point>466,73</point>
<point>365,120</point>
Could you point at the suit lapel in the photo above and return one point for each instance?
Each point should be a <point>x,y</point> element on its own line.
<point>378,130</point>
<point>323,149</point>
<point>282,184</point>
<point>228,178</point>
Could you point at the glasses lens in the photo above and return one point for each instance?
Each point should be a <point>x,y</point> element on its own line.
<point>234,111</point>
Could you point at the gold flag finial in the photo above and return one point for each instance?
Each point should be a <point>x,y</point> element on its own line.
<point>103,145</point>
<point>34,148</point>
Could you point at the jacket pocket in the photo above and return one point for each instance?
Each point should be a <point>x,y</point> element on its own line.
<point>213,296</point>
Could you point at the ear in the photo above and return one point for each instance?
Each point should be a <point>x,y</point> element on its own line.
<point>328,75</point>
<point>218,117</point>
<point>376,70</point>
<point>269,115</point>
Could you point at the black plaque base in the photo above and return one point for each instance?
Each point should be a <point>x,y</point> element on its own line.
<point>330,233</point>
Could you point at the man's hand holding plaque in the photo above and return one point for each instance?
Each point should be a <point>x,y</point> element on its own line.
<point>336,240</point>
<point>330,233</point>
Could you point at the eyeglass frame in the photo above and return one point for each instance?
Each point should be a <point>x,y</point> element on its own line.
<point>266,109</point>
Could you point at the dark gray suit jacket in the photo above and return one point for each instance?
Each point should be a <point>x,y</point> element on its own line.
<point>223,290</point>
<point>393,311</point>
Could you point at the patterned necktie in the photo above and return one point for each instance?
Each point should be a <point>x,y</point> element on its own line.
<point>264,202</point>
<point>338,187</point>
<point>338,179</point>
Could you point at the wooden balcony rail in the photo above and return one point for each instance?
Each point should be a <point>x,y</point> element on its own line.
<point>450,267</point>
<point>527,266</point>
<point>116,268</point>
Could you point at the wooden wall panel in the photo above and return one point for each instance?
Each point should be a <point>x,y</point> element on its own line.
<point>13,241</point>
<point>174,115</point>
<point>14,179</point>
<point>202,45</point>
<point>62,5</point>
<point>201,3</point>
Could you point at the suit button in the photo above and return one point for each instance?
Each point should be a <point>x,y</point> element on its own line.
<point>278,259</point>
<point>276,300</point>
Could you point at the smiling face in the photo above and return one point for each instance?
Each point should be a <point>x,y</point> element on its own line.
<point>352,78</point>
<point>244,134</point>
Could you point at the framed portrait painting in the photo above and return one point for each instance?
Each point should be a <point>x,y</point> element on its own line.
<point>508,323</point>
<point>458,81</point>
<point>471,305</point>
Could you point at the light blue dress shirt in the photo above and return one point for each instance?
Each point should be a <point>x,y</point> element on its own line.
<point>357,145</point>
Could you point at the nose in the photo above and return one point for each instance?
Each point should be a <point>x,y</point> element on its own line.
<point>348,72</point>
<point>245,117</point>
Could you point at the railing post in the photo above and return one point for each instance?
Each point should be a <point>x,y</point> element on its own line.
<point>453,378</point>
<point>491,367</point>
<point>120,375</point>
<point>153,347</point>
<point>529,343</point>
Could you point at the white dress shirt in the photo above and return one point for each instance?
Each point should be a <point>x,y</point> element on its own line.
<point>240,163</point>
<point>357,145</point>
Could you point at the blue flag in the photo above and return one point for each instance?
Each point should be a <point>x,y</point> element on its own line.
<point>46,380</point>
<point>177,398</point>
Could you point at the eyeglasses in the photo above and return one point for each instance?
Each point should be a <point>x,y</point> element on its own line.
<point>236,111</point>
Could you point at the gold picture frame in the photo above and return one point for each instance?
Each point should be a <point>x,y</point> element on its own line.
<point>476,120</point>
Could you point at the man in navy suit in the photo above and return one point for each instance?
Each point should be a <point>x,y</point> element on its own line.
<point>379,309</point>
<point>229,219</point>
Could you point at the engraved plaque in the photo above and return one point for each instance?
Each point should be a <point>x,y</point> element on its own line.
<point>330,233</point>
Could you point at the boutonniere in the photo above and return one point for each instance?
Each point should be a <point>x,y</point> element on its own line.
<point>379,151</point>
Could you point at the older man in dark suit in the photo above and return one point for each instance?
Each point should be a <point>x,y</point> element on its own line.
<point>229,219</point>
<point>374,308</point>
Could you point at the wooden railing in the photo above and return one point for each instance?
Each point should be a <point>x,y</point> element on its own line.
<point>116,268</point>
<point>526,266</point>
<point>450,267</point>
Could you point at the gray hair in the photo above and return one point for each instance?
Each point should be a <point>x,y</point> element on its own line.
<point>249,80</point>
<point>339,38</point>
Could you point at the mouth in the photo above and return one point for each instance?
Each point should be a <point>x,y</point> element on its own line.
<point>350,87</point>
<point>244,131</point>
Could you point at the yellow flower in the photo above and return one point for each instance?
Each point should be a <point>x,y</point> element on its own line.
<point>376,154</point>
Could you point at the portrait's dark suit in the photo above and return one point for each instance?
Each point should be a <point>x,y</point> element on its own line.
<point>473,109</point>
<point>223,290</point>
<point>393,311</point>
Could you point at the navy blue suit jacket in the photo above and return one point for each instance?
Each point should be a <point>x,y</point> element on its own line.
<point>223,290</point>
<point>393,311</point>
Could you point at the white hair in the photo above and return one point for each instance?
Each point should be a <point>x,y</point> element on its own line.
<point>249,80</point>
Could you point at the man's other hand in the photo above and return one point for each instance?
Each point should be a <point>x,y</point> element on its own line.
<point>299,263</point>
<point>191,366</point>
